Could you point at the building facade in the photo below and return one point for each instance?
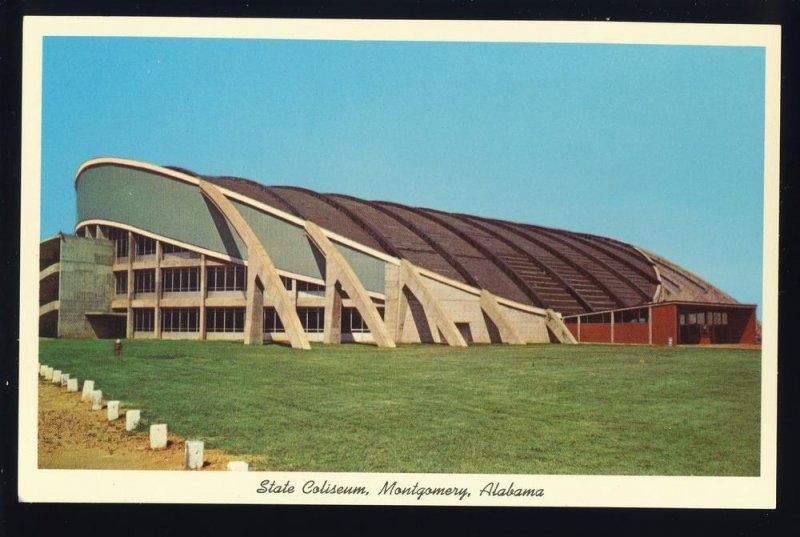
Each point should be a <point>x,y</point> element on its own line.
<point>181,255</point>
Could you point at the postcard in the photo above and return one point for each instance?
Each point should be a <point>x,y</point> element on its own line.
<point>366,262</point>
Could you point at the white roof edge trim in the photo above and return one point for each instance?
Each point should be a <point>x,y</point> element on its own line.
<point>238,197</point>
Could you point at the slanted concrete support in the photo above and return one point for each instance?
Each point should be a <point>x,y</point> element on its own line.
<point>254,311</point>
<point>435,313</point>
<point>332,332</point>
<point>337,269</point>
<point>395,310</point>
<point>259,265</point>
<point>507,330</point>
<point>557,326</point>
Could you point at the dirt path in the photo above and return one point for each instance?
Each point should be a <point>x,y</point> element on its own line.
<point>71,435</point>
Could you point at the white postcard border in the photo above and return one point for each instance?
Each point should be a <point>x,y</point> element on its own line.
<point>37,485</point>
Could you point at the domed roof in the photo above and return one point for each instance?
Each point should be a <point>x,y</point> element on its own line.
<point>552,268</point>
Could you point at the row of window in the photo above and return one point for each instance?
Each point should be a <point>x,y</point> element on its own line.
<point>713,318</point>
<point>187,279</point>
<point>143,246</point>
<point>232,320</point>
<point>182,280</point>
<point>626,316</point>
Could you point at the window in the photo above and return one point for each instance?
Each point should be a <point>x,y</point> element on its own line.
<point>121,282</point>
<point>227,278</point>
<point>143,319</point>
<point>144,281</point>
<point>724,317</point>
<point>180,319</point>
<point>120,238</point>
<point>272,322</point>
<point>682,318</point>
<point>145,246</point>
<point>171,249</point>
<point>180,280</point>
<point>352,321</point>
<point>287,283</point>
<point>631,316</point>
<point>312,319</point>
<point>311,288</point>
<point>597,318</point>
<point>225,320</point>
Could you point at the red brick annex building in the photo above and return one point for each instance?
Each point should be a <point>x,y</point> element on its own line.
<point>164,252</point>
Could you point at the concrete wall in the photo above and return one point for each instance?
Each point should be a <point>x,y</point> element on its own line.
<point>465,310</point>
<point>86,283</point>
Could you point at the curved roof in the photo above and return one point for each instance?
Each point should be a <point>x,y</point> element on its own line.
<point>566,271</point>
<point>545,267</point>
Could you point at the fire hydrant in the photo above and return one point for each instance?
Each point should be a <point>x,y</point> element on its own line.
<point>117,348</point>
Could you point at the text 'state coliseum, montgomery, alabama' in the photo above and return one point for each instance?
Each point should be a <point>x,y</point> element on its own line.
<point>163,252</point>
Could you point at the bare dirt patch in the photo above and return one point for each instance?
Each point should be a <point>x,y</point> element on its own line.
<point>73,436</point>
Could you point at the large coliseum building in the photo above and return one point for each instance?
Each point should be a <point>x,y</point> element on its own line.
<point>162,252</point>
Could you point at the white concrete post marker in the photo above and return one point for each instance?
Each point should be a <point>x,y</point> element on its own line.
<point>237,466</point>
<point>57,376</point>
<point>88,388</point>
<point>48,373</point>
<point>193,454</point>
<point>132,418</point>
<point>113,410</point>
<point>64,378</point>
<point>158,436</point>
<point>43,370</point>
<point>72,385</point>
<point>97,400</point>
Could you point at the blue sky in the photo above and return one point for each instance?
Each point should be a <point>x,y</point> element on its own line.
<point>659,146</point>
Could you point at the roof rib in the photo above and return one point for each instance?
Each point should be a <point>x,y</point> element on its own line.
<point>550,270</point>
<point>605,245</point>
<point>455,263</point>
<point>526,288</point>
<point>360,222</point>
<point>602,263</point>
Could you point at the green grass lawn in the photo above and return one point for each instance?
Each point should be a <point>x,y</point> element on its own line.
<point>535,409</point>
